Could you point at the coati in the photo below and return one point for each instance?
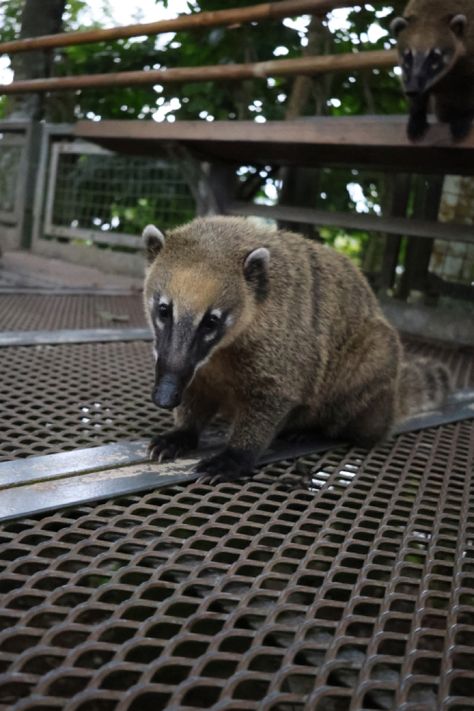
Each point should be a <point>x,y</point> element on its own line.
<point>271,331</point>
<point>436,49</point>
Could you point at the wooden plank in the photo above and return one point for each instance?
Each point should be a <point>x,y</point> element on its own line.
<point>358,221</point>
<point>193,21</point>
<point>362,140</point>
<point>220,72</point>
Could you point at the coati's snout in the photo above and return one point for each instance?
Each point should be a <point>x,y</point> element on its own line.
<point>428,48</point>
<point>168,392</point>
<point>196,302</point>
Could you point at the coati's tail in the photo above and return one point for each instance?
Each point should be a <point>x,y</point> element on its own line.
<point>424,385</point>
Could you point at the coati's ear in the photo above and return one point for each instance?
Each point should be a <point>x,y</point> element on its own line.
<point>397,25</point>
<point>256,271</point>
<point>458,25</point>
<point>154,241</point>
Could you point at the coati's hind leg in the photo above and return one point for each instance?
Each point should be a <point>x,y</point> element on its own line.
<point>190,417</point>
<point>363,408</point>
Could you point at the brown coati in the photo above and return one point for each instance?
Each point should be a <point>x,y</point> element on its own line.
<point>436,49</point>
<point>271,331</point>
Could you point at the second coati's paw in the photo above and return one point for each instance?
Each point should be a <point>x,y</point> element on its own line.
<point>171,445</point>
<point>460,128</point>
<point>416,128</point>
<point>228,465</point>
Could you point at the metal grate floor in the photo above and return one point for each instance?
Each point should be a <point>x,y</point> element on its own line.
<point>50,312</point>
<point>353,591</point>
<point>64,397</point>
<point>59,398</point>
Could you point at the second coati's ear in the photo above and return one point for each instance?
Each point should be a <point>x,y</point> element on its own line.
<point>154,241</point>
<point>256,266</point>
<point>458,25</point>
<point>397,25</point>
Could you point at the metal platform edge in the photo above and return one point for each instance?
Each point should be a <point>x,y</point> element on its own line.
<point>32,487</point>
<point>69,335</point>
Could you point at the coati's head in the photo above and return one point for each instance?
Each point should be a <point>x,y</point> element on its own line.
<point>428,46</point>
<point>201,291</point>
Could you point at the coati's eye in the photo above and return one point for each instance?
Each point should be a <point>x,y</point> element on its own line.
<point>164,310</point>
<point>210,322</point>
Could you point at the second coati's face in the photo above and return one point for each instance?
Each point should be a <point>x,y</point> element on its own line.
<point>428,49</point>
<point>195,307</point>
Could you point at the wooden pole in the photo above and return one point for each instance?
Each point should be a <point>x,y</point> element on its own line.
<point>226,72</point>
<point>255,13</point>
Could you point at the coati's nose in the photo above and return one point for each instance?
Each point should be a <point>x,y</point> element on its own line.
<point>167,393</point>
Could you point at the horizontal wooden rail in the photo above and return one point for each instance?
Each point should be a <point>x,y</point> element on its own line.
<point>357,221</point>
<point>255,13</point>
<point>225,72</point>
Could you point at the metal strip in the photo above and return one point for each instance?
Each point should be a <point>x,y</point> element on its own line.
<point>82,335</point>
<point>65,291</point>
<point>38,486</point>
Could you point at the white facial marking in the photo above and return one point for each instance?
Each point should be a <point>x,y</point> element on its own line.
<point>155,353</point>
<point>229,320</point>
<point>216,312</point>
<point>163,301</point>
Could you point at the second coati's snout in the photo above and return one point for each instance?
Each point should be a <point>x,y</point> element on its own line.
<point>194,312</point>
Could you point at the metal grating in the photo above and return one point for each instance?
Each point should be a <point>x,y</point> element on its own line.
<point>59,398</point>
<point>64,397</point>
<point>40,312</point>
<point>355,593</point>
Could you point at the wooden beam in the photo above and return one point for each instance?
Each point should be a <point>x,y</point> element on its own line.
<point>357,221</point>
<point>196,21</point>
<point>225,72</point>
<point>375,141</point>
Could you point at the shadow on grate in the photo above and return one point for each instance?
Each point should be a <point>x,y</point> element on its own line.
<point>355,592</point>
<point>50,312</point>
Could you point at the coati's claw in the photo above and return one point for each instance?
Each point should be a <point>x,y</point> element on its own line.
<point>229,465</point>
<point>168,446</point>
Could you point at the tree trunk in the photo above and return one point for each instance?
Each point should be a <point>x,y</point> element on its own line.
<point>38,18</point>
<point>300,186</point>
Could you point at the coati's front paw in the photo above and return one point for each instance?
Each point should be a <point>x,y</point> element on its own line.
<point>228,465</point>
<point>172,444</point>
<point>416,128</point>
<point>460,128</point>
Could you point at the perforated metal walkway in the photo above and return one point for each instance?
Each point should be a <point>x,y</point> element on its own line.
<point>334,581</point>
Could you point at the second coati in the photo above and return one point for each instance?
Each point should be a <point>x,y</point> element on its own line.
<point>271,331</point>
<point>436,49</point>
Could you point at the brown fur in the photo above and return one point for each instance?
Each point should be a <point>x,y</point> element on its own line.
<point>428,28</point>
<point>316,353</point>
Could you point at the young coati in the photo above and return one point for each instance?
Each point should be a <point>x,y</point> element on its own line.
<point>271,331</point>
<point>436,49</point>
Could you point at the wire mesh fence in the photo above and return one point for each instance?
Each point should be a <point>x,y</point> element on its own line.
<point>107,198</point>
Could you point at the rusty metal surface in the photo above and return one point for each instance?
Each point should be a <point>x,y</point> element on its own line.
<point>64,397</point>
<point>335,582</point>
<point>37,312</point>
<point>59,398</point>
